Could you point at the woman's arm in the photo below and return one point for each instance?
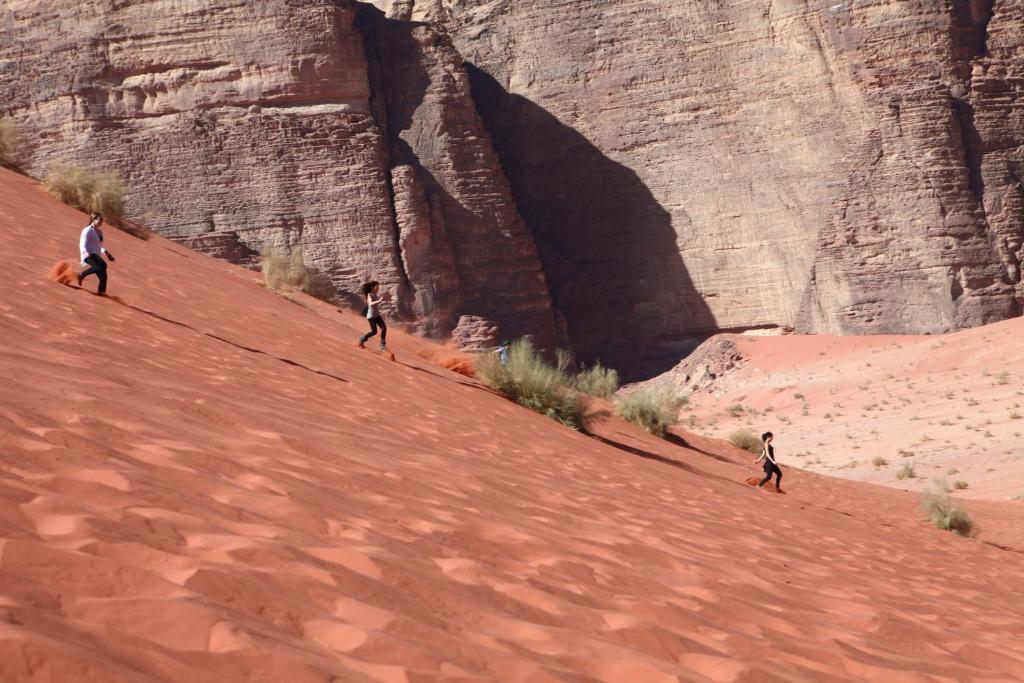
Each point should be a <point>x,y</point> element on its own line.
<point>764,452</point>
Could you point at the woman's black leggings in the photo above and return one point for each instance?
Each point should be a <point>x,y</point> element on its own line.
<point>97,267</point>
<point>769,470</point>
<point>376,322</point>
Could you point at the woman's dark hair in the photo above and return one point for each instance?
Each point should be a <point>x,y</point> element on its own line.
<point>368,287</point>
<point>95,215</point>
<point>766,436</point>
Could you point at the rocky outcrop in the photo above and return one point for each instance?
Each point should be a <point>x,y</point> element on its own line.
<point>828,166</point>
<point>709,363</point>
<point>474,333</point>
<point>317,124</point>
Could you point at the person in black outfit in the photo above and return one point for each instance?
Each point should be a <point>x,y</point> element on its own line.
<point>770,466</point>
<point>373,299</point>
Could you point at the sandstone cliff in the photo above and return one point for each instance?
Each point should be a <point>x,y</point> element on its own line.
<point>663,170</point>
<point>317,124</point>
<point>829,166</point>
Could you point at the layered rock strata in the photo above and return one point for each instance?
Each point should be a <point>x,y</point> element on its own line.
<point>316,124</point>
<point>828,166</point>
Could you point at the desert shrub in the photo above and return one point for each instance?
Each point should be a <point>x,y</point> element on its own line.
<point>8,143</point>
<point>879,461</point>
<point>88,190</point>
<point>906,471</point>
<point>747,440</point>
<point>534,383</point>
<point>736,410</point>
<point>960,484</point>
<point>654,409</point>
<point>598,381</point>
<point>285,272</point>
<point>943,514</point>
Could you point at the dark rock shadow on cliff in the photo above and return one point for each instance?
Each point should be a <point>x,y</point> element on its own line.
<point>405,61</point>
<point>609,249</point>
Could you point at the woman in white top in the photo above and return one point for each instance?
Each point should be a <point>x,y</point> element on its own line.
<point>371,294</point>
<point>90,244</point>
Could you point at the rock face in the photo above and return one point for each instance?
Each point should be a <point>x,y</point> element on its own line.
<point>306,123</point>
<point>822,165</point>
<point>475,334</point>
<point>621,175</point>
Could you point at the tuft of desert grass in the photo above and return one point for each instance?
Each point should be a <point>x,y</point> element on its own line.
<point>879,461</point>
<point>747,440</point>
<point>654,409</point>
<point>960,484</point>
<point>906,471</point>
<point>88,190</point>
<point>598,381</point>
<point>285,272</point>
<point>943,514</point>
<point>534,383</point>
<point>9,147</point>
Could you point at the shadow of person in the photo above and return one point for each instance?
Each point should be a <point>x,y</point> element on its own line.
<point>610,251</point>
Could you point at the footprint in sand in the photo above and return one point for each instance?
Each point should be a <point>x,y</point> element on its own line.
<point>353,559</point>
<point>114,480</point>
<point>714,668</point>
<point>334,635</point>
<point>228,637</point>
<point>49,519</point>
<point>462,570</point>
<point>526,634</point>
<point>500,534</point>
<point>161,456</point>
<point>361,614</point>
<point>530,596</point>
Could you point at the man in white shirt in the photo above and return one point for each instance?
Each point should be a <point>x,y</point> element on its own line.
<point>91,246</point>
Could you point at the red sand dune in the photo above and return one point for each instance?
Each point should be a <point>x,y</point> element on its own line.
<point>952,405</point>
<point>204,481</point>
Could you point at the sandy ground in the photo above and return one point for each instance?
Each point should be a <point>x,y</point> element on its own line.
<point>866,408</point>
<point>204,481</point>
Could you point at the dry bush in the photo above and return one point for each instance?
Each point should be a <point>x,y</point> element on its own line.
<point>654,409</point>
<point>88,190</point>
<point>746,440</point>
<point>960,484</point>
<point>534,383</point>
<point>879,461</point>
<point>286,272</point>
<point>906,471</point>
<point>943,514</point>
<point>598,381</point>
<point>283,272</point>
<point>9,148</point>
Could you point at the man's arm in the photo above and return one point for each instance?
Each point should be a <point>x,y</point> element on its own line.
<point>103,249</point>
